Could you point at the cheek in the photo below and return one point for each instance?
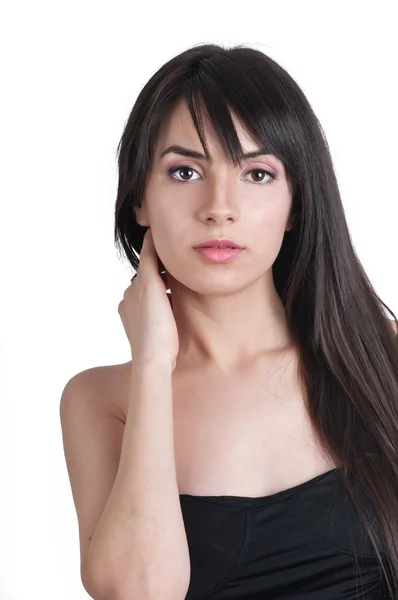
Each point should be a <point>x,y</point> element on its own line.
<point>273,210</point>
<point>271,223</point>
<point>268,231</point>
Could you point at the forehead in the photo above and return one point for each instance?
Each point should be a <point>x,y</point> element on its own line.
<point>178,128</point>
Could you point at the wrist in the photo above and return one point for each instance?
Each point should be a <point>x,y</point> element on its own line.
<point>152,367</point>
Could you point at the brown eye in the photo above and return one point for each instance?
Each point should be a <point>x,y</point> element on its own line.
<point>182,169</point>
<point>258,172</point>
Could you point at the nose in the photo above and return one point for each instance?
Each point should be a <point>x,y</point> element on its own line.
<point>219,202</point>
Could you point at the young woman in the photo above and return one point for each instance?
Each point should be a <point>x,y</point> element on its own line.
<point>249,448</point>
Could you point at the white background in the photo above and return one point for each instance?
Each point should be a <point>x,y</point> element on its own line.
<point>70,73</point>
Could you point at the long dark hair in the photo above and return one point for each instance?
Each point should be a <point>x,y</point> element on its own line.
<point>348,351</point>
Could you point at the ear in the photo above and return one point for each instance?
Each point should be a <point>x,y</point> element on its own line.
<point>290,223</point>
<point>393,325</point>
<point>141,215</point>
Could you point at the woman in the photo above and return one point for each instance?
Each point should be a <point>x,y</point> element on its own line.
<point>254,450</point>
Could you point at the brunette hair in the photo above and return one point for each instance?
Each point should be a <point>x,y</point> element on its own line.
<point>348,351</point>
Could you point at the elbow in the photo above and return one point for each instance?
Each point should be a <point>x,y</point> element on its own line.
<point>103,587</point>
<point>98,586</point>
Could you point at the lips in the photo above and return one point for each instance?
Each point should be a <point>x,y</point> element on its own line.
<point>218,255</point>
<point>219,244</point>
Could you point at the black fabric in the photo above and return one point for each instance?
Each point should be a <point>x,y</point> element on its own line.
<point>304,543</point>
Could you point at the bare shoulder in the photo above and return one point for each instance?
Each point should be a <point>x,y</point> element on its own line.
<point>92,431</point>
<point>106,385</point>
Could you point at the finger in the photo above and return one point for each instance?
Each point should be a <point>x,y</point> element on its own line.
<point>170,300</point>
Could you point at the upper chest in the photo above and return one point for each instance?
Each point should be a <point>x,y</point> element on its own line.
<point>245,434</point>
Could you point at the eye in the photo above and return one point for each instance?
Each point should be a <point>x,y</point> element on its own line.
<point>256,171</point>
<point>182,168</point>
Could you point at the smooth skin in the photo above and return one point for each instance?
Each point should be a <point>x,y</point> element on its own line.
<point>226,314</point>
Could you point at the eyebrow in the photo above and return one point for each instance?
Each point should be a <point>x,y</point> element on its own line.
<point>175,149</point>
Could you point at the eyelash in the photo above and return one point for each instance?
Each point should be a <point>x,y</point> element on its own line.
<point>174,169</point>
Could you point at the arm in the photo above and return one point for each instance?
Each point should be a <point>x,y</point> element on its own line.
<point>125,489</point>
